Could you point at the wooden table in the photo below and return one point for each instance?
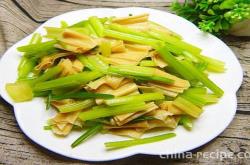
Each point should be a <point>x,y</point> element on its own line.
<point>18,18</point>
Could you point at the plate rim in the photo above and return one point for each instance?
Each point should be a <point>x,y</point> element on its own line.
<point>131,153</point>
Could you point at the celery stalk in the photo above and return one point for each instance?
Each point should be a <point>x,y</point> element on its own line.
<point>76,106</point>
<point>124,29</point>
<point>82,95</point>
<point>174,63</point>
<point>97,25</point>
<point>26,65</point>
<point>140,72</point>
<point>98,64</point>
<point>90,132</point>
<point>129,143</point>
<point>85,61</point>
<point>172,40</point>
<point>105,48</point>
<point>147,63</point>
<point>19,91</point>
<point>134,98</point>
<point>39,47</point>
<point>203,78</point>
<point>69,81</point>
<point>186,121</point>
<point>102,111</point>
<point>132,38</point>
<point>49,74</point>
<point>187,107</point>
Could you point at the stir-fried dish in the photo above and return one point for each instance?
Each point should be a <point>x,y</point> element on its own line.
<point>123,76</point>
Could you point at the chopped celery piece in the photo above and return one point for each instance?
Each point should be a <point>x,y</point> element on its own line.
<point>48,101</point>
<point>47,127</point>
<point>213,64</point>
<point>106,111</point>
<point>49,74</point>
<point>197,90</point>
<point>174,63</point>
<point>64,24</point>
<point>85,61</point>
<point>19,91</point>
<point>90,132</point>
<point>36,48</point>
<point>27,65</point>
<point>82,95</point>
<point>76,106</point>
<point>41,94</point>
<point>53,32</point>
<point>147,63</point>
<point>132,38</point>
<point>105,48</point>
<point>97,25</point>
<point>97,63</point>
<point>187,107</point>
<point>129,143</point>
<point>69,81</point>
<point>190,56</point>
<point>143,118</point>
<point>134,98</point>
<point>127,30</point>
<point>203,78</point>
<point>186,121</point>
<point>202,98</point>
<point>174,41</point>
<point>145,73</point>
<point>196,101</point>
<point>83,23</point>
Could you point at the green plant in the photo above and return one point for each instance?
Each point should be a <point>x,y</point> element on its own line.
<point>214,16</point>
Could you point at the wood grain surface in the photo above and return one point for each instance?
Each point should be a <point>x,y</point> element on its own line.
<point>18,18</point>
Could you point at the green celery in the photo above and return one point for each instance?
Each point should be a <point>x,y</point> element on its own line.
<point>147,63</point>
<point>187,107</point>
<point>64,24</point>
<point>41,94</point>
<point>53,32</point>
<point>197,90</point>
<point>90,132</point>
<point>97,25</point>
<point>98,63</point>
<point>134,98</point>
<point>186,121</point>
<point>174,63</point>
<point>19,91</point>
<point>102,111</point>
<point>195,100</point>
<point>48,101</point>
<point>37,48</point>
<point>69,81</point>
<point>146,73</point>
<point>76,106</point>
<point>105,48</point>
<point>49,74</point>
<point>172,40</point>
<point>127,30</point>
<point>82,95</point>
<point>203,78</point>
<point>133,38</point>
<point>143,118</point>
<point>27,65</point>
<point>85,61</point>
<point>129,143</point>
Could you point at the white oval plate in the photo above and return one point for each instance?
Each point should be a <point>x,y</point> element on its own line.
<point>32,116</point>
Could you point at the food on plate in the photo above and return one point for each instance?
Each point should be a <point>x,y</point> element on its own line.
<point>118,75</point>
